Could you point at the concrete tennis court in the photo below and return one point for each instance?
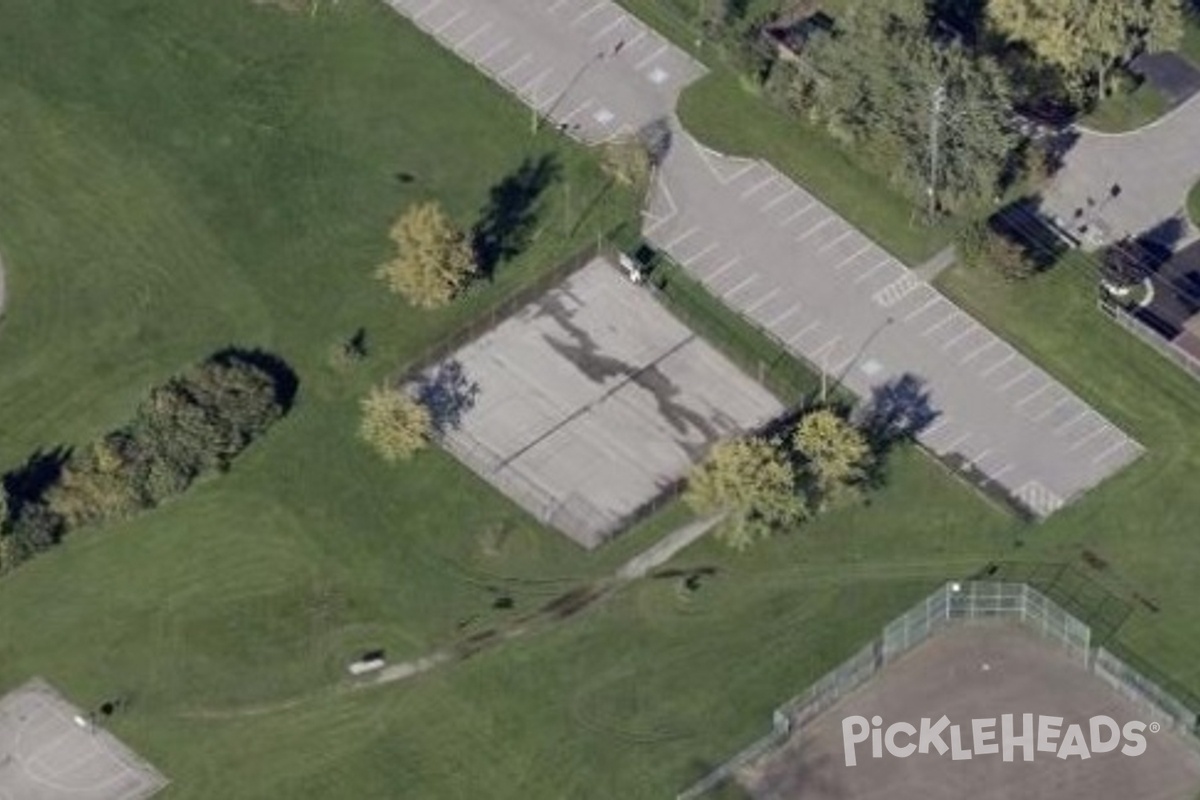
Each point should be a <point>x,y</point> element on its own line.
<point>589,402</point>
<point>46,755</point>
<point>978,671</point>
<point>588,65</point>
<point>775,253</point>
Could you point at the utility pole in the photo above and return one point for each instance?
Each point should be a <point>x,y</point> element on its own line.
<point>935,117</point>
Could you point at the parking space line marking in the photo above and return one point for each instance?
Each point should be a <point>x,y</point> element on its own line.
<point>485,27</point>
<point>703,252</point>
<point>937,298</point>
<point>977,460</point>
<point>536,82</point>
<point>1011,382</point>
<point>1035,393</point>
<point>837,239</point>
<point>990,343</point>
<point>557,4</point>
<point>795,215</point>
<point>812,326</point>
<point>495,51</point>
<point>1071,423</point>
<point>814,229</point>
<point>520,62</point>
<point>427,9</point>
<point>762,301</point>
<point>998,364</point>
<point>791,311</point>
<point>942,322</point>
<point>722,269</point>
<point>960,336</point>
<point>1109,451</point>
<point>582,106</point>
<point>607,29</point>
<point>692,231</point>
<point>845,262</point>
<point>960,440</point>
<point>642,64</point>
<point>783,196</point>
<point>937,425</point>
<point>1066,398</point>
<point>1099,430</point>
<point>758,186</point>
<point>872,270</point>
<point>439,29</point>
<point>749,279</point>
<point>589,12</point>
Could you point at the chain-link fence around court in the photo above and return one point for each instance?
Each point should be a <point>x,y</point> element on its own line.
<point>952,604</point>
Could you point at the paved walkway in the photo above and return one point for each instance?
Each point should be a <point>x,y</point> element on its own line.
<point>1153,167</point>
<point>665,549</point>
<point>779,256</point>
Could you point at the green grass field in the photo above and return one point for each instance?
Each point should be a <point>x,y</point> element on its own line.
<point>178,176</point>
<point>1127,110</point>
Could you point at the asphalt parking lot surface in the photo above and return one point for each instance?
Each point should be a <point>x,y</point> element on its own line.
<point>773,252</point>
<point>781,258</point>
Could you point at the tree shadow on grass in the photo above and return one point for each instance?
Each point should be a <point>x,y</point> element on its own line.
<point>27,484</point>
<point>896,413</point>
<point>448,394</point>
<point>506,222</point>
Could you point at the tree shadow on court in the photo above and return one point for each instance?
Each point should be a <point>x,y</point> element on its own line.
<point>896,413</point>
<point>448,394</point>
<point>506,222</point>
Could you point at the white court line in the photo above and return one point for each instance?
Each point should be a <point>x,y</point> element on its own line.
<point>990,343</point>
<point>1110,450</point>
<point>520,62</point>
<point>784,196</point>
<point>1035,393</point>
<point>426,10</point>
<point>943,321</point>
<point>872,270</point>
<point>758,187</point>
<point>703,252</point>
<point>997,365</point>
<point>610,27</point>
<point>484,28</point>
<point>1100,429</point>
<point>642,64</point>
<point>937,298</point>
<point>692,231</point>
<point>812,326</point>
<point>814,229</point>
<point>958,337</point>
<point>495,51</point>
<point>439,29</point>
<point>1011,382</point>
<point>836,240</point>
<point>846,261</point>
<point>749,279</point>
<point>1066,398</point>
<point>762,301</point>
<point>589,12</point>
<point>795,215</point>
<point>721,270</point>
<point>790,312</point>
<point>1072,422</point>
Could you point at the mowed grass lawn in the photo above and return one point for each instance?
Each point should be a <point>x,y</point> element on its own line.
<point>177,176</point>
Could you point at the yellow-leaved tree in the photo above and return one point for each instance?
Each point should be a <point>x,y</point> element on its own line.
<point>393,423</point>
<point>837,455</point>
<point>434,262</point>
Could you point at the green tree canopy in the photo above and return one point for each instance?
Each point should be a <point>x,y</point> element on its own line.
<point>393,423</point>
<point>879,80</point>
<point>836,454</point>
<point>435,261</point>
<point>1085,39</point>
<point>751,482</point>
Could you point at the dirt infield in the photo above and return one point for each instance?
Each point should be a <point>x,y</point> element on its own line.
<point>977,671</point>
<point>47,754</point>
<point>589,402</point>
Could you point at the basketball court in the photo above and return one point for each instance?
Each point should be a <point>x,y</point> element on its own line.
<point>48,751</point>
<point>591,401</point>
<point>979,670</point>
